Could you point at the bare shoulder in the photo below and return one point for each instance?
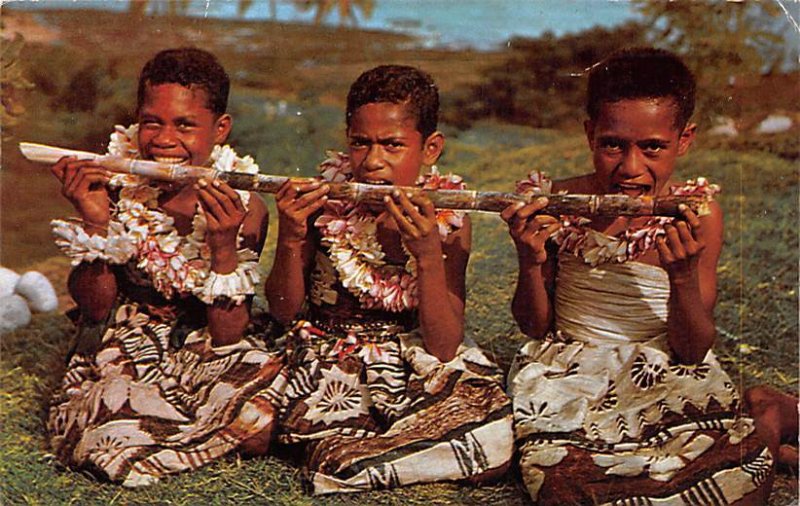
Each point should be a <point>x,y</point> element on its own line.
<point>460,240</point>
<point>713,221</point>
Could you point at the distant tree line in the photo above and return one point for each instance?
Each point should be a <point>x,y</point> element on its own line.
<point>541,83</point>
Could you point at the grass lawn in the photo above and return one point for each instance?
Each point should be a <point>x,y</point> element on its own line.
<point>756,312</point>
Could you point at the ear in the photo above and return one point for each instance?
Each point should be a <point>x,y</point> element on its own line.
<point>588,128</point>
<point>222,128</point>
<point>686,138</point>
<point>432,148</point>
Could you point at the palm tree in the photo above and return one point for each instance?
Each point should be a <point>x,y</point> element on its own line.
<point>346,8</point>
<point>244,6</point>
<point>172,7</point>
<point>181,7</point>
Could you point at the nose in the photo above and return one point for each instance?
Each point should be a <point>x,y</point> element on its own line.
<point>374,159</point>
<point>165,137</point>
<point>633,163</point>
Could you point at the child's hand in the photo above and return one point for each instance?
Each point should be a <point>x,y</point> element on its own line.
<point>680,248</point>
<point>529,230</point>
<point>83,183</point>
<point>416,220</point>
<point>225,213</point>
<point>294,211</point>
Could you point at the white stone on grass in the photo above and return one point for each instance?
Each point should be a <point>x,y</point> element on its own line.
<point>724,126</point>
<point>40,293</point>
<point>774,124</point>
<point>8,280</point>
<point>14,313</point>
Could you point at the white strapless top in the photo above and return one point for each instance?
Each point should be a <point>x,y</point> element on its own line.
<point>612,303</point>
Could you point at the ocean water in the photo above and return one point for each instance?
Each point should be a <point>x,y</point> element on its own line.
<point>479,24</point>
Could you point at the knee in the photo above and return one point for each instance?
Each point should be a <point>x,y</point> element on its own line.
<point>258,444</point>
<point>758,399</point>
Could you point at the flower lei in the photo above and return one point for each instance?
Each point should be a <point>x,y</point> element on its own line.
<point>174,264</point>
<point>575,235</point>
<point>350,234</point>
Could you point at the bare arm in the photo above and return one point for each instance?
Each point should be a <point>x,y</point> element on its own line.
<point>92,285</point>
<point>225,215</point>
<point>286,285</point>
<point>441,269</point>
<point>689,253</point>
<point>532,306</point>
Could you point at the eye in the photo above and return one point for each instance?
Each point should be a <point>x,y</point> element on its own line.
<point>356,143</point>
<point>653,147</point>
<point>185,126</point>
<point>394,145</point>
<point>149,124</point>
<point>611,145</point>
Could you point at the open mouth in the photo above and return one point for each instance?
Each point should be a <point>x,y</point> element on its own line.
<point>377,182</point>
<point>631,189</point>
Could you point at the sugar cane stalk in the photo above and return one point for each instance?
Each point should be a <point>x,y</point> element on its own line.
<point>367,194</point>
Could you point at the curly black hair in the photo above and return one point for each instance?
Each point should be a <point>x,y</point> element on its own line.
<point>398,84</point>
<point>190,67</point>
<point>642,72</point>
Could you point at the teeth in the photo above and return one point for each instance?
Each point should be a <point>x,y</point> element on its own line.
<point>163,159</point>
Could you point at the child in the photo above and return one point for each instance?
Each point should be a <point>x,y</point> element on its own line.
<point>380,385</point>
<point>161,379</point>
<point>618,398</point>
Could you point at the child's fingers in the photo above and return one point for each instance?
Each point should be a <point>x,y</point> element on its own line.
<point>80,181</point>
<point>409,208</point>
<point>230,193</point>
<point>546,221</point>
<point>517,225</point>
<point>533,208</point>
<point>690,244</point>
<point>424,204</point>
<point>403,223</point>
<point>211,220</point>
<point>305,186</point>
<point>314,206</point>
<point>72,172</point>
<point>211,205</point>
<point>674,242</point>
<point>692,219</point>
<point>541,228</point>
<point>284,190</point>
<point>60,167</point>
<point>663,250</point>
<point>510,212</point>
<point>308,204</point>
<point>549,226</point>
<point>311,197</point>
<point>227,205</point>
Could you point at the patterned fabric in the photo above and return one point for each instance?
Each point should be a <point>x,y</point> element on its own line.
<point>604,400</point>
<point>138,409</point>
<point>146,394</point>
<point>376,411</point>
